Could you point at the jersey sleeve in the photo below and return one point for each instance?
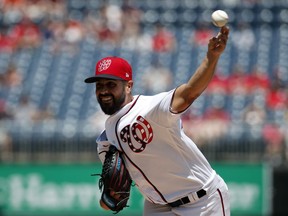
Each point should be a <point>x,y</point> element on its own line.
<point>102,146</point>
<point>161,112</point>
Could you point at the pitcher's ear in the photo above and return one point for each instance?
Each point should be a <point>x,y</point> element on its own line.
<point>130,84</point>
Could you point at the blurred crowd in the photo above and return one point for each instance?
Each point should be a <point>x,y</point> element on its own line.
<point>255,101</point>
<point>26,24</point>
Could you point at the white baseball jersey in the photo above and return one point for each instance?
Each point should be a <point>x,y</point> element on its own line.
<point>163,162</point>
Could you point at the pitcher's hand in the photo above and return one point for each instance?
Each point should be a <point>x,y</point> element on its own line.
<point>217,44</point>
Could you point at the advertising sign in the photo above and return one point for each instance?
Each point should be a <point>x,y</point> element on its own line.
<point>69,189</point>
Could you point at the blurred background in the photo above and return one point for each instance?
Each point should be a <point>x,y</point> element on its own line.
<point>49,117</point>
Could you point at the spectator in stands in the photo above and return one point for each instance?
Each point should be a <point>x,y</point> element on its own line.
<point>132,36</point>
<point>97,120</point>
<point>73,35</point>
<point>5,146</point>
<point>160,81</point>
<point>5,139</point>
<point>217,121</point>
<point>5,114</point>
<point>257,80</point>
<point>254,114</point>
<point>213,125</point>
<point>12,11</point>
<point>106,35</point>
<point>25,112</point>
<point>131,15</point>
<point>109,24</point>
<point>113,15</point>
<point>55,9</point>
<point>90,25</point>
<point>280,77</point>
<point>43,113</point>
<point>218,84</point>
<point>47,30</point>
<point>26,34</point>
<point>11,78</point>
<point>243,37</point>
<point>7,43</point>
<point>35,10</point>
<point>202,34</point>
<point>163,40</point>
<point>53,31</point>
<point>236,81</point>
<point>274,139</point>
<point>134,39</point>
<point>103,24</point>
<point>277,97</point>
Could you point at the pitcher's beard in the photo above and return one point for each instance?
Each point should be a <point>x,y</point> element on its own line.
<point>113,106</point>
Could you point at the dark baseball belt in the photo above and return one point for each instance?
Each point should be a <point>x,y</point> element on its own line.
<point>186,199</point>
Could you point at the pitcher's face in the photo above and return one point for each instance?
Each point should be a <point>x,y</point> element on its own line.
<point>111,95</point>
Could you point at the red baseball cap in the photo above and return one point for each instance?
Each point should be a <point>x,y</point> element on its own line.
<point>112,67</point>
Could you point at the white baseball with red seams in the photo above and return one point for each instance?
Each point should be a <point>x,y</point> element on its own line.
<point>219,18</point>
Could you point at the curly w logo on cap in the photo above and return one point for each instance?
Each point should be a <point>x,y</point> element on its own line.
<point>104,65</point>
<point>112,67</point>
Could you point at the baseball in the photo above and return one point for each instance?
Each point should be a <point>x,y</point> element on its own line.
<point>219,18</point>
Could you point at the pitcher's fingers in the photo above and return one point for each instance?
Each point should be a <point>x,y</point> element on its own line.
<point>223,38</point>
<point>225,30</point>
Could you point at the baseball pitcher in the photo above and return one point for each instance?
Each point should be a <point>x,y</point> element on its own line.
<point>146,133</point>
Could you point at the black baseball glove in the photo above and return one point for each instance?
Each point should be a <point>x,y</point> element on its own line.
<point>115,182</point>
